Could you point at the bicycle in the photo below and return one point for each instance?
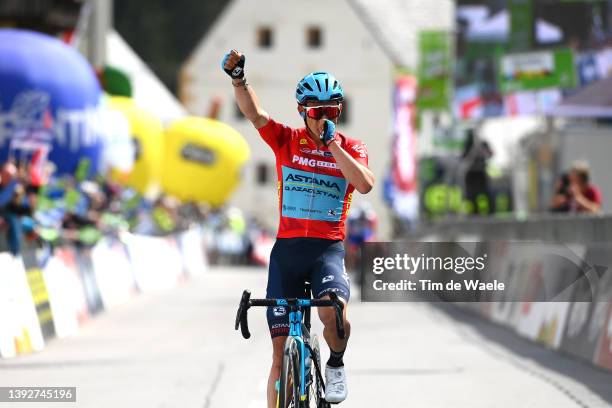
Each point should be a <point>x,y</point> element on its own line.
<point>297,387</point>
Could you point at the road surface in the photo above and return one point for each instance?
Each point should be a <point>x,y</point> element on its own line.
<point>178,349</point>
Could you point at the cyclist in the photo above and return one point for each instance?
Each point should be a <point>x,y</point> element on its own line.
<point>318,169</point>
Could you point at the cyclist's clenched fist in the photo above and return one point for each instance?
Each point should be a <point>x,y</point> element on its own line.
<point>233,64</point>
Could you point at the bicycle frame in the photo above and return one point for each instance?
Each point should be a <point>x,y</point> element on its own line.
<point>295,322</point>
<point>295,331</point>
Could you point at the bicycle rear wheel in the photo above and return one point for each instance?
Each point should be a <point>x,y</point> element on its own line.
<point>289,393</point>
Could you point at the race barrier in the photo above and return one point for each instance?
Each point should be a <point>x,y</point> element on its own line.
<point>51,292</point>
<point>20,330</point>
<point>572,324</point>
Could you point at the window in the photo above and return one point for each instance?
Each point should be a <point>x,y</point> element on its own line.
<point>314,37</point>
<point>262,173</point>
<point>344,116</point>
<point>265,37</point>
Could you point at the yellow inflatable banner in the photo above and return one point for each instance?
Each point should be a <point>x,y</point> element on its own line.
<point>203,159</point>
<point>147,134</point>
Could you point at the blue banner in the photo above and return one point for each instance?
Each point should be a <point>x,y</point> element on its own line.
<point>49,97</point>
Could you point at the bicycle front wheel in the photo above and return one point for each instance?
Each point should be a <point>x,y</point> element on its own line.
<point>289,393</point>
<point>316,394</point>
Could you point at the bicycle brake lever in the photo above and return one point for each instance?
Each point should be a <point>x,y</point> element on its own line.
<point>339,307</point>
<point>242,316</point>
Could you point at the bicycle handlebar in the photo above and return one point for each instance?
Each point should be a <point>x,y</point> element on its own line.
<point>241,316</point>
<point>246,302</point>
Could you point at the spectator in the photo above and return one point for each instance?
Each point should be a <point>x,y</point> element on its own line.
<point>361,228</point>
<point>10,190</point>
<point>476,153</point>
<point>561,198</point>
<point>584,196</point>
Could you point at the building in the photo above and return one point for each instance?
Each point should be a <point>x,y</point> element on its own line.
<point>283,41</point>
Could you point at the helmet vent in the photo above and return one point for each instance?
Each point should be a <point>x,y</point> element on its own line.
<point>318,84</point>
<point>326,85</point>
<point>335,85</point>
<point>307,86</point>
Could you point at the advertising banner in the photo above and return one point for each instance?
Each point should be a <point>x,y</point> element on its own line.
<point>537,70</point>
<point>49,102</point>
<point>66,296</point>
<point>38,287</point>
<point>604,354</point>
<point>507,52</point>
<point>586,325</point>
<point>153,273</point>
<point>434,70</point>
<point>192,251</point>
<point>401,188</point>
<point>88,277</point>
<point>7,342</point>
<point>20,331</point>
<point>521,24</point>
<point>113,272</point>
<point>66,291</point>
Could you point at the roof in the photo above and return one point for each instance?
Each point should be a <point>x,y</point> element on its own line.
<point>396,24</point>
<point>594,100</point>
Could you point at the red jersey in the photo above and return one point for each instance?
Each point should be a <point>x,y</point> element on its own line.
<point>313,195</point>
<point>591,193</point>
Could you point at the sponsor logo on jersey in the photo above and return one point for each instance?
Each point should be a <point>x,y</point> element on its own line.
<point>298,178</point>
<point>361,149</point>
<point>304,161</point>
<point>311,192</point>
<point>303,141</point>
<point>316,152</point>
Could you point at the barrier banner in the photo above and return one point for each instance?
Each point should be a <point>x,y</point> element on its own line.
<point>543,322</point>
<point>173,260</point>
<point>587,320</point>
<point>66,293</point>
<point>554,293</point>
<point>156,266</point>
<point>503,310</point>
<point>556,269</point>
<point>90,285</point>
<point>604,354</point>
<point>7,344</point>
<point>18,319</point>
<point>113,272</point>
<point>192,251</point>
<point>38,288</point>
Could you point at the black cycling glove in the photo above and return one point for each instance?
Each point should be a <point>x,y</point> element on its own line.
<point>238,71</point>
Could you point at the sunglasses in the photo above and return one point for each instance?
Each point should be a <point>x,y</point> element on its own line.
<point>317,112</point>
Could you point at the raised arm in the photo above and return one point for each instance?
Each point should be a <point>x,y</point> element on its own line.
<point>233,65</point>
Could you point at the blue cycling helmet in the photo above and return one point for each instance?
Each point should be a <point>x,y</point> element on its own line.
<point>319,86</point>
